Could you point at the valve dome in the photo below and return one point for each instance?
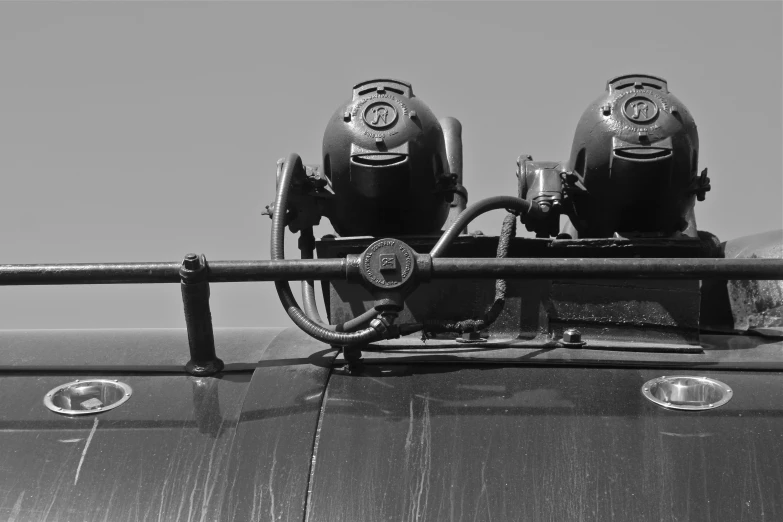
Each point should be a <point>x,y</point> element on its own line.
<point>385,155</point>
<point>636,147</point>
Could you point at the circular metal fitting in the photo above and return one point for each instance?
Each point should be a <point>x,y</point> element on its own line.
<point>687,392</point>
<point>87,397</point>
<point>387,263</point>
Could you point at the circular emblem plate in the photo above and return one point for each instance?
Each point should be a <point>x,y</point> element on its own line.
<point>640,109</point>
<point>380,115</point>
<point>388,263</point>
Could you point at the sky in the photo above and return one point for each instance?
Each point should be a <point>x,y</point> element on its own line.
<point>142,131</point>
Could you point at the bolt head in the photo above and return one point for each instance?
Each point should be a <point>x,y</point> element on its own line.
<point>191,262</point>
<point>572,335</point>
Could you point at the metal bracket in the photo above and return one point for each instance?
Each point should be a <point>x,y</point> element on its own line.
<point>194,282</point>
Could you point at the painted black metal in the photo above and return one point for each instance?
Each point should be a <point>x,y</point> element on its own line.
<point>159,350</point>
<point>236,446</point>
<point>442,268</point>
<point>166,454</point>
<point>385,155</point>
<point>448,442</point>
<point>735,269</point>
<point>274,442</point>
<point>198,317</point>
<point>165,272</point>
<point>637,149</point>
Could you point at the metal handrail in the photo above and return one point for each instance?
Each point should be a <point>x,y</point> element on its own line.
<point>442,268</point>
<point>194,275</point>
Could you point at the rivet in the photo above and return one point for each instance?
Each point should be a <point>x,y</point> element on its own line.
<point>380,89</point>
<point>378,140</point>
<point>346,116</point>
<point>412,114</point>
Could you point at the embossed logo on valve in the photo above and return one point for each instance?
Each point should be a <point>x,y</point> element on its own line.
<point>640,109</point>
<point>388,263</point>
<point>380,115</point>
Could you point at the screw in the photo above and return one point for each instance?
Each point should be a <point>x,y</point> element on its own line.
<point>572,335</point>
<point>191,262</point>
<point>346,116</point>
<point>544,207</point>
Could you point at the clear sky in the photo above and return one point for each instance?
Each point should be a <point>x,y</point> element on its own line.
<point>143,131</point>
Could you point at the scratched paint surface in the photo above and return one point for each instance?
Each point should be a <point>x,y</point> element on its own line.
<point>166,454</point>
<point>435,442</point>
<point>237,446</point>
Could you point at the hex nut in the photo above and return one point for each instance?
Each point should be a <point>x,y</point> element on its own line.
<point>572,335</point>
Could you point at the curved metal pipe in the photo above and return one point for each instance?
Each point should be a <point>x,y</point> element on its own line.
<point>510,203</point>
<point>287,298</point>
<point>309,303</point>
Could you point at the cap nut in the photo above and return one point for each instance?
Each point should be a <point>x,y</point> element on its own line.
<point>572,335</point>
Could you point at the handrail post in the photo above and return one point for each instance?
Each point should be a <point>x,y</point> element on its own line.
<point>194,282</point>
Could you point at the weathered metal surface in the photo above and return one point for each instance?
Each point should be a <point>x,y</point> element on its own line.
<point>198,316</point>
<point>125,350</point>
<point>665,311</point>
<point>442,268</point>
<point>637,149</point>
<point>626,310</point>
<point>442,442</point>
<point>737,269</point>
<point>165,454</point>
<point>756,305</point>
<point>384,153</point>
<point>164,272</point>
<point>274,441</point>
<point>729,352</point>
<point>237,446</point>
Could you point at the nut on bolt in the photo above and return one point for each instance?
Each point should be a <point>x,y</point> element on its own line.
<point>191,262</point>
<point>572,337</point>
